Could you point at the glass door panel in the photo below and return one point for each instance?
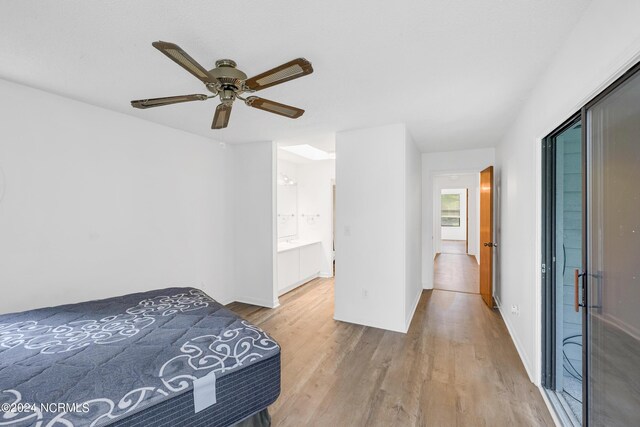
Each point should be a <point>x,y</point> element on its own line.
<point>613,254</point>
<point>563,255</point>
<point>568,259</point>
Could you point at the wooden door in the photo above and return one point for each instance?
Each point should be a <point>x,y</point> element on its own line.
<point>486,235</point>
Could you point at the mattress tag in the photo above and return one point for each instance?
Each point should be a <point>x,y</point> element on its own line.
<point>204,392</point>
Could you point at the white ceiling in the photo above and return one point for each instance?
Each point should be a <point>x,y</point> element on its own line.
<point>454,71</point>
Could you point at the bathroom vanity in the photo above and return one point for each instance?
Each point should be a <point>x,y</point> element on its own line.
<point>298,263</point>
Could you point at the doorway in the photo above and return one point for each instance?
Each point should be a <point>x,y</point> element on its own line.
<point>456,232</point>
<point>590,269</point>
<point>305,194</point>
<point>454,221</point>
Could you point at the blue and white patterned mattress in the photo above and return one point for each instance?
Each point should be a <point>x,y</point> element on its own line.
<point>115,359</point>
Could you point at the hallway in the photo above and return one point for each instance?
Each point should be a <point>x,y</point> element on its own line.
<point>456,272</point>
<point>456,365</point>
<point>453,247</point>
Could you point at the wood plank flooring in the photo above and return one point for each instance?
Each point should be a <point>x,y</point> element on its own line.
<point>457,365</point>
<point>453,246</point>
<point>456,272</point>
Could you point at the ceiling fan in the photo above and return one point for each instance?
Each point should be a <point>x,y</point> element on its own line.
<point>229,83</point>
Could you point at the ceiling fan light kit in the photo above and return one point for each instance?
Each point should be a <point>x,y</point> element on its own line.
<point>229,83</point>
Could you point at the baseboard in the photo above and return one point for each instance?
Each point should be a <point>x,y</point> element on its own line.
<point>226,301</point>
<point>325,275</point>
<point>256,301</point>
<point>516,342</point>
<point>297,284</point>
<point>364,323</point>
<point>413,312</point>
<point>427,286</point>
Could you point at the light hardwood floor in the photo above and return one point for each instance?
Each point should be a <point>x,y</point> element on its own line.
<point>456,272</point>
<point>457,365</point>
<point>453,246</point>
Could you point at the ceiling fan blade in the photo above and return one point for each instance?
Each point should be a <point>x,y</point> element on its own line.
<point>274,107</point>
<point>221,118</point>
<point>182,58</point>
<point>291,70</point>
<point>159,102</point>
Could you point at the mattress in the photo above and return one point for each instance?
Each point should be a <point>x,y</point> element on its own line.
<point>240,395</point>
<point>149,359</point>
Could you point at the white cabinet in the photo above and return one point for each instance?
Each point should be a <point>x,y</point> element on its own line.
<point>297,264</point>
<point>288,269</point>
<point>310,261</point>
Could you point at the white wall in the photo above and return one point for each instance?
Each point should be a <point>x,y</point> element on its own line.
<point>413,228</point>
<point>98,204</point>
<point>459,232</point>
<point>372,270</point>
<point>602,46</point>
<point>442,163</point>
<point>254,223</point>
<point>287,201</point>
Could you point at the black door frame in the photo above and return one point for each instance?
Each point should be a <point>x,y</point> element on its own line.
<point>549,361</point>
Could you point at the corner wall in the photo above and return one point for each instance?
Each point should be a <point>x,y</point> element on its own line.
<point>604,43</point>
<point>377,191</point>
<point>254,224</point>
<point>413,228</point>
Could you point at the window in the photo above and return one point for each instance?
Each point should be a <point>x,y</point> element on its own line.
<point>450,210</point>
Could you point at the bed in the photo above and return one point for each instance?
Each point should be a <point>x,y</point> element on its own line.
<point>166,357</point>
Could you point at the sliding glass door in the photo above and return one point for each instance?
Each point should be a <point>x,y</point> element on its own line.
<point>613,255</point>
<point>591,260</point>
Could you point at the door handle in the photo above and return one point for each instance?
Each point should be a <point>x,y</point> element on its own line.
<point>576,289</point>
<point>491,244</point>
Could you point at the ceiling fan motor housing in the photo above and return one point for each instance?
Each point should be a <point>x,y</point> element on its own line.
<point>227,96</point>
<point>227,75</point>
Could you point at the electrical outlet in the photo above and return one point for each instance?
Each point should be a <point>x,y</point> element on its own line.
<point>515,309</point>
<point>365,293</point>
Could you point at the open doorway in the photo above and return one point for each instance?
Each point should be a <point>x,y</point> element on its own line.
<point>456,232</point>
<point>305,194</point>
